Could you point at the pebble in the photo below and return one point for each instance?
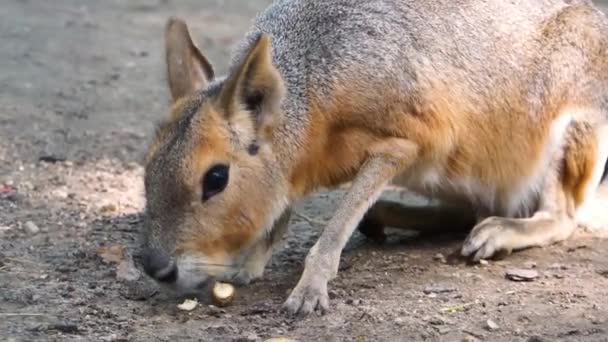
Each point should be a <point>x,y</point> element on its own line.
<point>215,311</point>
<point>111,337</point>
<point>108,208</point>
<point>435,288</point>
<point>31,227</point>
<point>440,257</point>
<point>353,302</point>
<point>537,339</point>
<point>521,274</point>
<point>484,262</point>
<point>469,338</point>
<point>64,327</point>
<point>142,289</point>
<point>250,337</point>
<point>188,305</point>
<point>437,320</point>
<point>557,267</point>
<point>491,325</point>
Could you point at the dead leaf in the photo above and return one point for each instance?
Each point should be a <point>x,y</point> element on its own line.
<point>111,254</point>
<point>108,208</point>
<point>5,189</point>
<point>127,271</point>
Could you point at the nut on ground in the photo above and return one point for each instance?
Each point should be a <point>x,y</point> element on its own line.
<point>223,294</point>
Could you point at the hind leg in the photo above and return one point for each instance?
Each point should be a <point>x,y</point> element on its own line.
<point>592,213</point>
<point>426,219</point>
<point>569,186</point>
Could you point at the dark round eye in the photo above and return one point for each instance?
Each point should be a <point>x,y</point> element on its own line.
<point>215,181</point>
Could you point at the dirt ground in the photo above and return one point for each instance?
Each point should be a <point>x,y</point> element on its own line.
<point>81,87</point>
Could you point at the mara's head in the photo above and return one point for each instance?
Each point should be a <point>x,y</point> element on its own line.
<point>213,188</point>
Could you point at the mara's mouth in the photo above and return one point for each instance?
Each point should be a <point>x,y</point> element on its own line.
<point>194,275</point>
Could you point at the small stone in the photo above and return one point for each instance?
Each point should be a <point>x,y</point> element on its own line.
<point>353,302</point>
<point>188,305</point>
<point>108,208</point>
<point>484,262</point>
<point>530,264</point>
<point>491,325</point>
<point>537,339</point>
<point>440,257</point>
<point>111,337</point>
<point>247,337</point>
<point>521,275</point>
<point>443,330</point>
<point>215,311</point>
<point>31,227</point>
<point>141,289</point>
<point>67,328</point>
<point>557,267</point>
<point>437,288</point>
<point>469,338</point>
<point>436,321</point>
<point>51,159</point>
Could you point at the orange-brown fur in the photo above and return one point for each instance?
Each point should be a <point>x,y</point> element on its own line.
<point>580,157</point>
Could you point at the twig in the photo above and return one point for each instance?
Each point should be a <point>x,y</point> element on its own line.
<point>16,314</point>
<point>21,261</point>
<point>311,220</point>
<point>456,308</point>
<point>477,335</point>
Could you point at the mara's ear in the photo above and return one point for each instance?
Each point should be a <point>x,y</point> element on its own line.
<point>252,94</point>
<point>187,69</point>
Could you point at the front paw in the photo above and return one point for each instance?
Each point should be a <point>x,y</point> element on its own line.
<point>247,275</point>
<point>489,237</point>
<point>309,294</point>
<point>242,278</point>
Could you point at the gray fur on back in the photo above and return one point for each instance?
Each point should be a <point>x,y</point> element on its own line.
<point>318,40</point>
<point>475,48</point>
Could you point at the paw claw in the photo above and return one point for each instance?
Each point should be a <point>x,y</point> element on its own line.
<point>487,239</point>
<point>304,299</point>
<point>291,306</point>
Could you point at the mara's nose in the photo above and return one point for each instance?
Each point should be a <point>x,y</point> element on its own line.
<point>158,265</point>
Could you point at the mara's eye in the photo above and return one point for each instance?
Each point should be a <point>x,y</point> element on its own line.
<point>215,181</point>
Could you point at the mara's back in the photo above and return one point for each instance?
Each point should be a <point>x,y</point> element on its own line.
<point>477,84</point>
<point>466,46</point>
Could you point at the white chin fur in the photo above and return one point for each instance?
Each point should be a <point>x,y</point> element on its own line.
<point>195,271</point>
